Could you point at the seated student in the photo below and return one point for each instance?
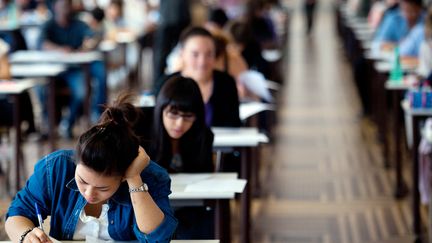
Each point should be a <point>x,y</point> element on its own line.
<point>65,33</point>
<point>249,48</point>
<point>258,18</point>
<point>108,188</point>
<point>227,59</point>
<point>95,22</point>
<point>404,29</point>
<point>380,10</point>
<point>218,89</point>
<point>9,25</point>
<point>182,142</point>
<point>424,68</point>
<point>114,21</point>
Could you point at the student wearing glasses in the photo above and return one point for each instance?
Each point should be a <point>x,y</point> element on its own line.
<point>108,188</point>
<point>182,142</point>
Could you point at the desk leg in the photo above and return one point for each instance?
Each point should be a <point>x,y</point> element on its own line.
<point>87,101</point>
<point>223,221</point>
<point>384,128</point>
<point>400,187</point>
<point>381,116</point>
<point>245,196</point>
<point>415,177</point>
<point>255,169</point>
<point>17,125</point>
<point>52,114</point>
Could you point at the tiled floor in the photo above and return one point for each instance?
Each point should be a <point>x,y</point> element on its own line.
<point>323,180</point>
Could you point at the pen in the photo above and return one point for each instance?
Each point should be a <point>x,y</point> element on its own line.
<point>39,215</point>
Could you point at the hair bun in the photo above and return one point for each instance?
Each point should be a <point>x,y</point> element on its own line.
<point>116,116</point>
<point>121,112</point>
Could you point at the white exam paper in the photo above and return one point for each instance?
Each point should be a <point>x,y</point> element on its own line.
<point>217,185</point>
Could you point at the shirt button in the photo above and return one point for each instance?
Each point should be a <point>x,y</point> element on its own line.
<point>112,221</point>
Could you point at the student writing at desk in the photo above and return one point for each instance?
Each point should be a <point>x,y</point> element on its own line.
<point>65,33</point>
<point>404,29</point>
<point>107,188</point>
<point>218,89</point>
<point>182,142</point>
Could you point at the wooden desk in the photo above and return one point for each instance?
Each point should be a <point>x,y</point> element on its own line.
<point>416,114</point>
<point>14,88</point>
<point>184,195</point>
<point>55,57</point>
<point>244,139</point>
<point>84,59</point>
<point>49,71</point>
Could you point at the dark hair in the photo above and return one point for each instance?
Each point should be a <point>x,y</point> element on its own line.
<point>110,146</point>
<point>221,42</point>
<point>195,31</point>
<point>428,24</point>
<point>118,4</point>
<point>418,3</point>
<point>240,32</point>
<point>218,16</point>
<point>182,94</point>
<point>98,14</point>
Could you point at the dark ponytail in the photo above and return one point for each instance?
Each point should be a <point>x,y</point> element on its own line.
<point>110,146</point>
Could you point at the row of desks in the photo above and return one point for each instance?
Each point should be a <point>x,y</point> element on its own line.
<point>378,68</point>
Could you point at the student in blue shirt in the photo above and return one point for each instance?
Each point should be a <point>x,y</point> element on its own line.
<point>65,33</point>
<point>108,178</point>
<point>404,29</point>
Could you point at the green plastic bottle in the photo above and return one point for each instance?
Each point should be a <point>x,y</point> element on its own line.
<point>396,73</point>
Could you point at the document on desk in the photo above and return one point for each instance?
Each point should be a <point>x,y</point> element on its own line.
<point>217,185</point>
<point>185,178</point>
<point>54,240</point>
<point>90,239</point>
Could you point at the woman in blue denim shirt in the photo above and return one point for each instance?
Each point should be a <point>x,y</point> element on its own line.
<point>107,188</point>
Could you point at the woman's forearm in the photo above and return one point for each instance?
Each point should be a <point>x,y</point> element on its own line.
<point>16,225</point>
<point>147,213</point>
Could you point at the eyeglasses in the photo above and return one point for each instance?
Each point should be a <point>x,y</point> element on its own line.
<point>173,115</point>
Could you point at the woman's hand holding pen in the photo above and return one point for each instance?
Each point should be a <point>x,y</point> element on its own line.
<point>36,236</point>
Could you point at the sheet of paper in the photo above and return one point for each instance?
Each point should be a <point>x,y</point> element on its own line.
<point>217,185</point>
<point>256,83</point>
<point>90,239</point>
<point>183,179</point>
<point>54,240</point>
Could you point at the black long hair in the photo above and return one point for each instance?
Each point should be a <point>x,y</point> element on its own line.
<point>110,146</point>
<point>183,95</point>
